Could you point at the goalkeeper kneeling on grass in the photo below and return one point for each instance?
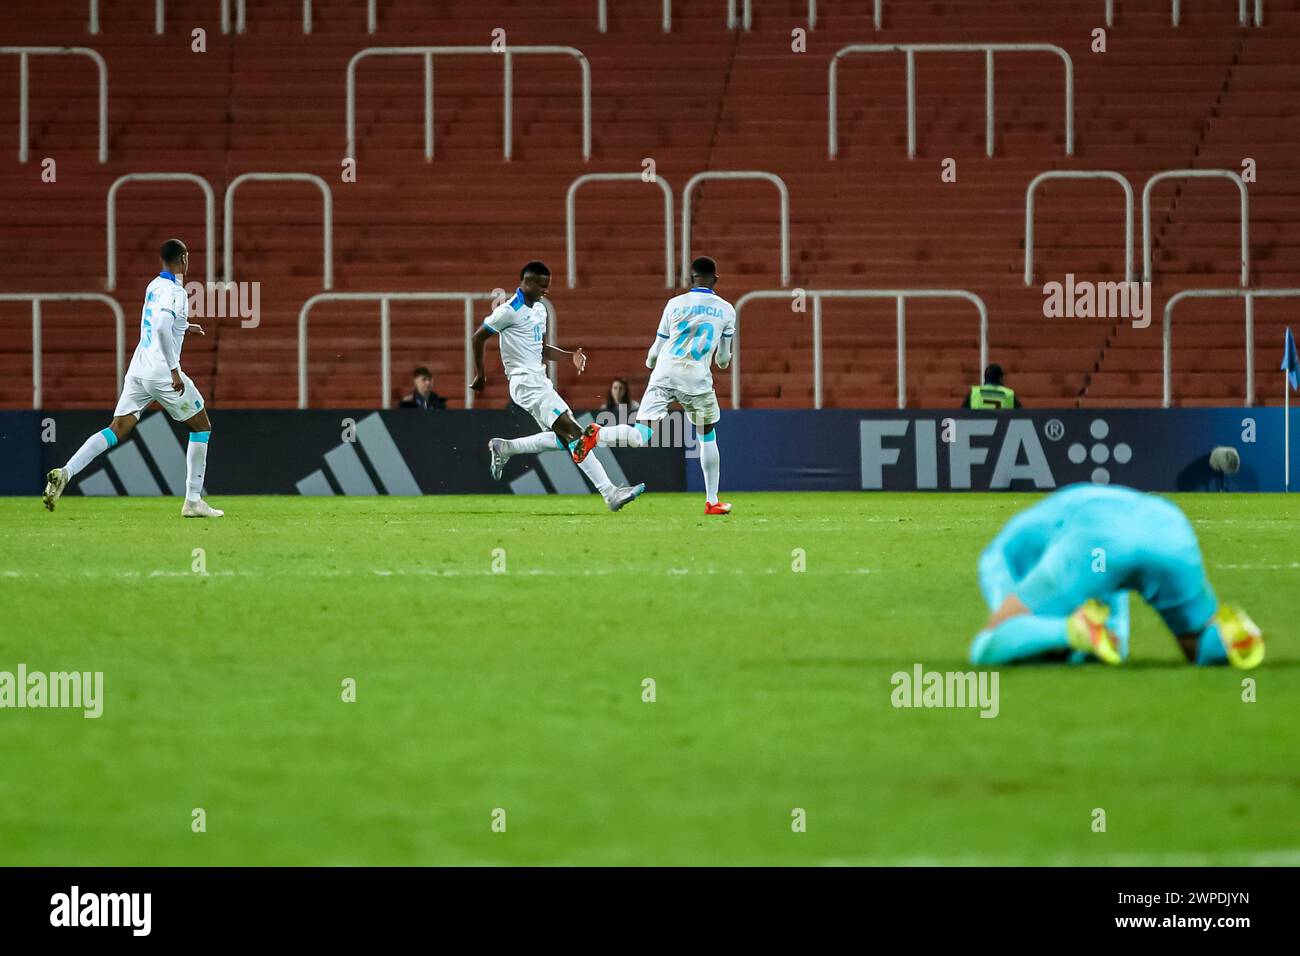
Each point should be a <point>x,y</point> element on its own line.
<point>1057,576</point>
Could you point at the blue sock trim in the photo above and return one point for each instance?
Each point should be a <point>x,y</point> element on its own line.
<point>109,436</point>
<point>644,430</point>
<point>200,437</point>
<point>711,436</point>
<point>559,442</point>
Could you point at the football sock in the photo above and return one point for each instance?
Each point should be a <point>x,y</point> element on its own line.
<point>1019,638</point>
<point>621,436</point>
<point>711,464</point>
<point>99,442</point>
<point>533,444</point>
<point>595,472</point>
<point>196,462</point>
<point>1210,649</point>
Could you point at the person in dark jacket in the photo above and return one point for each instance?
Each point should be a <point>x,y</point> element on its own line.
<point>422,394</point>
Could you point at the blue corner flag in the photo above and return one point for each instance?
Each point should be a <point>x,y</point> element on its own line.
<point>1290,363</point>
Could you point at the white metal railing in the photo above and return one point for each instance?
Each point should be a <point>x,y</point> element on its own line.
<point>1196,174</point>
<point>911,49</point>
<point>772,178</point>
<point>209,219</point>
<point>571,226</point>
<point>160,15</point>
<point>385,332</point>
<point>23,52</point>
<point>1243,17</point>
<point>899,295</point>
<point>507,55</point>
<point>1176,13</point>
<point>372,16</point>
<point>327,219</point>
<point>36,298</point>
<point>1078,174</point>
<point>1250,295</point>
<point>745,19</point>
<point>602,16</point>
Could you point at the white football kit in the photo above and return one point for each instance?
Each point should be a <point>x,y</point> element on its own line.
<point>521,329</point>
<point>692,328</point>
<point>163,321</point>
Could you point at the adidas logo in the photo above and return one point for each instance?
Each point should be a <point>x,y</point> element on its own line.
<point>136,475</point>
<point>345,470</point>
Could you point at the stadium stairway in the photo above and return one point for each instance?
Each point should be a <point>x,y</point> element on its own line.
<point>1208,94</point>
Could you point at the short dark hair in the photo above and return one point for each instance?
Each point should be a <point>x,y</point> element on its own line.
<point>171,251</point>
<point>421,372</point>
<point>993,374</point>
<point>704,266</point>
<point>537,267</point>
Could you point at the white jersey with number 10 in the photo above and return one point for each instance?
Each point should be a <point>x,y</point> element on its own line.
<point>692,327</point>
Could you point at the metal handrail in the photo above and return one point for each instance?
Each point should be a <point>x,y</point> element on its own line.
<point>602,16</point>
<point>746,18</point>
<point>209,217</point>
<point>911,49</point>
<point>1079,174</point>
<point>36,298</point>
<point>571,227</point>
<point>23,52</point>
<point>1196,174</point>
<point>507,54</point>
<point>372,16</point>
<point>327,218</point>
<point>899,295</point>
<point>1250,295</point>
<point>1176,13</point>
<point>160,15</point>
<point>385,361</point>
<point>732,175</point>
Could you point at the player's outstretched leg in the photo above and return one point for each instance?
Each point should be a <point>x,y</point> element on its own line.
<point>501,450</point>
<point>1026,637</point>
<point>711,465</point>
<point>624,436</point>
<point>196,466</point>
<point>56,481</point>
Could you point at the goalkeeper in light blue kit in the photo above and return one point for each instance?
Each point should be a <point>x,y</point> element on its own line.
<point>1057,576</point>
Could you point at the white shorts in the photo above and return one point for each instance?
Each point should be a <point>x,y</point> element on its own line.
<point>700,409</point>
<point>533,392</point>
<point>138,393</point>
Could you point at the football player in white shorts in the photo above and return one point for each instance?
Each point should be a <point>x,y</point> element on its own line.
<point>155,376</point>
<point>695,327</point>
<point>520,325</point>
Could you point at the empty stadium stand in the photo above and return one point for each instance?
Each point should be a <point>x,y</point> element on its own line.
<point>1206,95</point>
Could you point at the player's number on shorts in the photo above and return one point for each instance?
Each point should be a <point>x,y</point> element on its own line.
<point>701,343</point>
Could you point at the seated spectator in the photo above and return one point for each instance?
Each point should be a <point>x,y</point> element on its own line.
<point>620,401</point>
<point>422,394</point>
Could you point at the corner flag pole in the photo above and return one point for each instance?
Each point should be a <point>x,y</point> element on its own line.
<point>1290,380</point>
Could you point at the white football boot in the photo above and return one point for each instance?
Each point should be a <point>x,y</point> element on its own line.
<point>200,509</point>
<point>55,482</point>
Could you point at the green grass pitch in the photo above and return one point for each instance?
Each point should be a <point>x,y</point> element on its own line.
<point>522,690</point>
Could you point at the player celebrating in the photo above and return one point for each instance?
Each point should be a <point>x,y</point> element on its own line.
<point>155,376</point>
<point>693,327</point>
<point>521,324</point>
<point>1056,573</point>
